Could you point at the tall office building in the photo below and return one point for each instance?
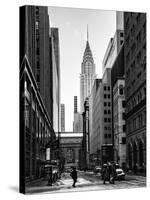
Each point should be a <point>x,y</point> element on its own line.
<point>34,43</point>
<point>75,104</point>
<point>135,90</point>
<point>118,102</point>
<point>100,118</point>
<point>87,75</point>
<point>36,128</point>
<point>113,49</point>
<point>94,117</point>
<point>54,46</point>
<point>62,117</point>
<point>78,122</point>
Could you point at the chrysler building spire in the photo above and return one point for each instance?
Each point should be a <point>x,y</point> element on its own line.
<point>87,75</point>
<point>87,33</point>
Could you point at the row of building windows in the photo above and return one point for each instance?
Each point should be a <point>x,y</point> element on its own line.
<point>137,122</point>
<point>37,133</point>
<point>123,116</point>
<point>107,111</point>
<point>106,88</point>
<point>137,17</point>
<point>138,62</point>
<point>137,42</point>
<point>107,104</point>
<point>138,77</point>
<point>107,135</point>
<point>39,130</point>
<point>141,95</point>
<point>107,128</point>
<point>37,47</point>
<point>106,96</point>
<point>107,119</point>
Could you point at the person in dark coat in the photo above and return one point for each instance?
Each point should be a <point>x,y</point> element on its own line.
<point>50,177</point>
<point>112,174</point>
<point>74,176</point>
<point>105,173</point>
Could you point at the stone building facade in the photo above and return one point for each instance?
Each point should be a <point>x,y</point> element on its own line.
<point>118,109</point>
<point>36,92</point>
<point>119,124</point>
<point>135,92</point>
<point>70,145</point>
<point>101,116</point>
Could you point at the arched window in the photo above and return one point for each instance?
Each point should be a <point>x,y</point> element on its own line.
<point>141,154</point>
<point>129,152</point>
<point>134,154</point>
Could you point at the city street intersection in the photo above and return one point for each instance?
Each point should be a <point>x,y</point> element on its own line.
<point>87,181</point>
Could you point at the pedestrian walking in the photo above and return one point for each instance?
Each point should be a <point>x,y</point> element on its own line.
<point>112,174</point>
<point>105,173</point>
<point>74,176</point>
<point>50,177</point>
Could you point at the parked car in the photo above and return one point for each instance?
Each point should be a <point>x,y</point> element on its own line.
<point>120,174</point>
<point>97,169</point>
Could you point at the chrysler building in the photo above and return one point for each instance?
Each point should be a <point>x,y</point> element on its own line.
<point>87,75</point>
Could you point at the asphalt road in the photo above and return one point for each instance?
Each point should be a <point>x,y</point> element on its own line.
<point>87,181</point>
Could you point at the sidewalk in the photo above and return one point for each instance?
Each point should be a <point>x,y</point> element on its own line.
<point>136,174</point>
<point>42,186</point>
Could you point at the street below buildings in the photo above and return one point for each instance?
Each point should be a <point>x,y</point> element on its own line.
<point>87,181</point>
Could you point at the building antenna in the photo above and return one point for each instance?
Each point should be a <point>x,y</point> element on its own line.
<point>87,33</point>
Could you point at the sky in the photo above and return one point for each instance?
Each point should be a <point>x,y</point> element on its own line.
<point>72,24</point>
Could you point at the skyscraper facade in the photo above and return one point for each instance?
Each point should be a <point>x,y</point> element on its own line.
<point>135,91</point>
<point>93,119</point>
<point>36,127</point>
<point>118,109</point>
<point>54,46</point>
<point>62,117</point>
<point>87,75</point>
<point>113,49</point>
<point>75,104</point>
<point>78,122</point>
<point>34,43</point>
